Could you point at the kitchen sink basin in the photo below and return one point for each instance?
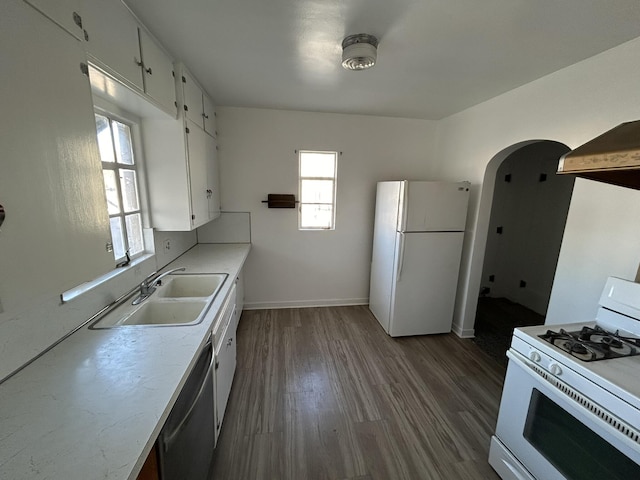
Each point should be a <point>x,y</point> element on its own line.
<point>165,313</point>
<point>189,285</point>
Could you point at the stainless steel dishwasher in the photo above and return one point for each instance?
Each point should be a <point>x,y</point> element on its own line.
<point>187,438</point>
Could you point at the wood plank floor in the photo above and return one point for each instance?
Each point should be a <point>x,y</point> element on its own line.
<point>324,393</point>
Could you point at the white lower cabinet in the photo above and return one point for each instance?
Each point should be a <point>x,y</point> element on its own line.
<point>225,351</point>
<point>182,174</point>
<point>239,296</point>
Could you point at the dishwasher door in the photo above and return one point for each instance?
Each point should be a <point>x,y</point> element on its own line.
<point>187,439</point>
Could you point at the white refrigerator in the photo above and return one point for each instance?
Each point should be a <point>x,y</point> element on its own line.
<point>417,245</point>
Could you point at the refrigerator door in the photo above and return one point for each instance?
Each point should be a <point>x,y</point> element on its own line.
<point>425,283</point>
<point>384,246</point>
<point>433,206</point>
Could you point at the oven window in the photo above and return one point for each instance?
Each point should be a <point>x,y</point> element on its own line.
<point>576,451</point>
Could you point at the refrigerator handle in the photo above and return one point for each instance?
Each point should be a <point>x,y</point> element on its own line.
<point>401,260</point>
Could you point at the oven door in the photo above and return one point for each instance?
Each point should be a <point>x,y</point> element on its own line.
<point>556,433</point>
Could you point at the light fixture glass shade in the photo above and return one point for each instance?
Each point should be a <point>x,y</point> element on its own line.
<point>359,52</point>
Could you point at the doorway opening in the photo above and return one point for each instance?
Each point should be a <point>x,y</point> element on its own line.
<point>528,214</point>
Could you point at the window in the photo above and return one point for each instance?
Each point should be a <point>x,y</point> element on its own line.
<point>318,172</point>
<point>120,173</point>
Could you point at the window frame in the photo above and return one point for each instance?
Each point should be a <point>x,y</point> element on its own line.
<point>116,114</point>
<point>334,180</point>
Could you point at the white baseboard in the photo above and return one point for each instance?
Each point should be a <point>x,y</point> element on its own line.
<point>337,302</point>
<point>463,333</point>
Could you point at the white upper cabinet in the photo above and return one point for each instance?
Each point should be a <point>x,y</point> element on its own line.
<point>209,115</point>
<point>195,102</point>
<point>66,13</point>
<point>182,174</point>
<point>192,99</point>
<point>127,52</point>
<point>56,228</point>
<point>159,82</point>
<point>213,177</point>
<point>113,39</point>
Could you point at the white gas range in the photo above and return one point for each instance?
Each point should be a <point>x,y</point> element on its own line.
<point>570,405</point>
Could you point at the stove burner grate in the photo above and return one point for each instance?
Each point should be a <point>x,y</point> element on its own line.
<point>591,344</point>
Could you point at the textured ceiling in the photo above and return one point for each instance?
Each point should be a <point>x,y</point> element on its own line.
<point>435,57</point>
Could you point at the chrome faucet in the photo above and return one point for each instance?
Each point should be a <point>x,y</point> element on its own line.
<point>149,284</point>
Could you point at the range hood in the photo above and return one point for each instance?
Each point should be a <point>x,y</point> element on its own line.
<point>613,157</point>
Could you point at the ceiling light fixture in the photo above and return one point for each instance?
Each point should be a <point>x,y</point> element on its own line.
<point>359,51</point>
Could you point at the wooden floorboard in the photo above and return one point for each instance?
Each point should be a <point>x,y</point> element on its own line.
<point>325,393</point>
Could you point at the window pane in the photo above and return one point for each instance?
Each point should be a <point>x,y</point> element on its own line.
<point>117,237</point>
<point>316,191</point>
<point>129,189</point>
<point>316,216</point>
<point>111,187</point>
<point>315,164</point>
<point>105,142</point>
<point>134,233</point>
<point>122,137</point>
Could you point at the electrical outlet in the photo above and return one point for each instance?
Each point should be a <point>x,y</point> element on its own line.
<point>167,245</point>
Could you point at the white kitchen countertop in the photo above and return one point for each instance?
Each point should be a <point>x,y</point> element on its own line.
<point>92,407</point>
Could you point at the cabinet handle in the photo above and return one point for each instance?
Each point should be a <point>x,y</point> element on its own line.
<point>205,116</point>
<point>149,71</point>
<point>230,341</point>
<point>77,19</point>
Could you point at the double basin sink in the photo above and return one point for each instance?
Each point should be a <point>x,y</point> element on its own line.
<point>178,300</point>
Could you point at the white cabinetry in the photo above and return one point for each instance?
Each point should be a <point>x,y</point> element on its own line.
<point>182,174</point>
<point>195,102</point>
<point>113,39</point>
<point>66,13</point>
<point>126,51</point>
<point>51,186</point>
<point>225,352</point>
<point>239,296</point>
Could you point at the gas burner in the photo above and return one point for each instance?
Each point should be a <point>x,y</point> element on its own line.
<point>590,344</point>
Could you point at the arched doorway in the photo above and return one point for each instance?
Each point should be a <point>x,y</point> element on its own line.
<point>528,212</point>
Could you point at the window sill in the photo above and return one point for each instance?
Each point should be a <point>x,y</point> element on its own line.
<point>102,279</point>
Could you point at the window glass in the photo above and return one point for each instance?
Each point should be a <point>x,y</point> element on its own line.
<point>129,187</point>
<point>317,190</point>
<point>105,140</point>
<point>121,186</point>
<point>117,237</point>
<point>111,188</point>
<point>122,138</point>
<point>134,233</point>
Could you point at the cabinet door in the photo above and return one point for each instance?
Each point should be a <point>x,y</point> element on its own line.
<point>225,370</point>
<point>51,187</point>
<point>198,171</point>
<point>209,114</point>
<point>113,39</point>
<point>192,96</point>
<point>213,178</point>
<point>65,13</point>
<point>159,82</point>
<point>239,296</point>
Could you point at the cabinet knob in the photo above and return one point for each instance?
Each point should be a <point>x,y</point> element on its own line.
<point>138,62</point>
<point>205,116</point>
<point>230,341</point>
<point>149,71</point>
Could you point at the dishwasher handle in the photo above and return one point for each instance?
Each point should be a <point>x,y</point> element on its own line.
<point>168,438</point>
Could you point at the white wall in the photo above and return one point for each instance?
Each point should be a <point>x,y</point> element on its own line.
<point>257,155</point>
<point>571,106</point>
